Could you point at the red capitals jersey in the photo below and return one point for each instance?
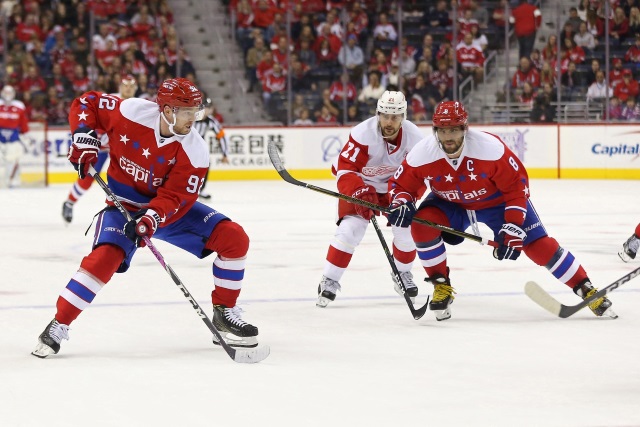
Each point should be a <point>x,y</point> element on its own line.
<point>13,115</point>
<point>146,170</point>
<point>469,56</point>
<point>367,158</point>
<point>485,175</point>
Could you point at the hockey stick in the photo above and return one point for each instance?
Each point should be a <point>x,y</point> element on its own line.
<point>417,314</point>
<point>253,355</point>
<point>546,301</point>
<point>277,163</point>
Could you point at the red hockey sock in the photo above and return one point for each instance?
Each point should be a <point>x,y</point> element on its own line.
<point>547,252</point>
<point>231,243</point>
<point>95,271</point>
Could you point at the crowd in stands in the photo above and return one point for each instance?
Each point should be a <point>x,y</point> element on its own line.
<point>342,54</point>
<point>353,51</point>
<point>582,74</point>
<point>51,57</point>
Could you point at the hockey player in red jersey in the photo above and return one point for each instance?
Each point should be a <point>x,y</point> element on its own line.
<point>13,124</point>
<point>375,149</point>
<point>127,89</point>
<point>475,178</point>
<point>157,165</point>
<point>631,246</point>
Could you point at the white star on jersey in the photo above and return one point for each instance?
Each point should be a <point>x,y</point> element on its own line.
<point>83,100</point>
<point>146,153</point>
<point>123,138</point>
<point>83,116</point>
<point>526,190</point>
<point>172,161</point>
<point>473,176</point>
<point>449,178</point>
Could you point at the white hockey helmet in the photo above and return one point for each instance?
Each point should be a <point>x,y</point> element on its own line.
<point>8,93</point>
<point>392,102</point>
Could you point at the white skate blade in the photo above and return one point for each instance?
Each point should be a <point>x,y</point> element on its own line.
<point>42,350</point>
<point>610,313</point>
<point>442,314</point>
<point>322,301</point>
<point>236,341</point>
<point>624,257</point>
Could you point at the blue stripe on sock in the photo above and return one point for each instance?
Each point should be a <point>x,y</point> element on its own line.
<point>431,253</point>
<point>566,264</point>
<point>81,291</point>
<point>221,273</point>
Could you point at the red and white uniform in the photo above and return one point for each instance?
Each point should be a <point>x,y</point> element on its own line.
<point>367,159</point>
<point>469,56</point>
<point>145,169</point>
<point>13,123</point>
<point>483,176</point>
<point>13,116</point>
<point>486,176</point>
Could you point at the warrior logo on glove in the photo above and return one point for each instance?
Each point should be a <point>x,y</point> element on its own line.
<point>84,151</point>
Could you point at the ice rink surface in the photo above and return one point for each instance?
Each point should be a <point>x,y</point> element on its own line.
<point>140,356</point>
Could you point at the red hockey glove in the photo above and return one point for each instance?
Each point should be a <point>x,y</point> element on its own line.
<point>402,210</point>
<point>510,240</point>
<point>368,194</point>
<point>84,151</point>
<point>143,224</point>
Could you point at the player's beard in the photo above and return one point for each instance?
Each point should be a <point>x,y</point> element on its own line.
<point>389,131</point>
<point>451,146</point>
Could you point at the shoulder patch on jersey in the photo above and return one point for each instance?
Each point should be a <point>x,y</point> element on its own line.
<point>483,146</point>
<point>366,133</point>
<point>196,149</point>
<point>141,111</point>
<point>426,151</point>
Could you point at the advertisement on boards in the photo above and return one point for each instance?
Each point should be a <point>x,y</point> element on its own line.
<point>600,152</point>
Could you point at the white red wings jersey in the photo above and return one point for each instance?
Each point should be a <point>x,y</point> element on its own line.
<point>145,169</point>
<point>486,174</point>
<point>368,156</point>
<point>13,115</point>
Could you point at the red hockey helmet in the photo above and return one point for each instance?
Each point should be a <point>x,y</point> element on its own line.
<point>178,92</point>
<point>450,114</point>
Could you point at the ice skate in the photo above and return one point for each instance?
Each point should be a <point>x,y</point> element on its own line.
<point>49,340</point>
<point>629,249</point>
<point>235,331</point>
<point>204,196</point>
<point>601,307</point>
<point>67,211</point>
<point>442,296</point>
<point>327,290</point>
<point>409,285</point>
